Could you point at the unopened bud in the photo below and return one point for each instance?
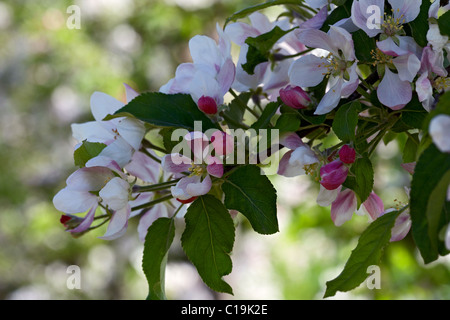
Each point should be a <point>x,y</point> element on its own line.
<point>207,104</point>
<point>347,154</point>
<point>295,97</point>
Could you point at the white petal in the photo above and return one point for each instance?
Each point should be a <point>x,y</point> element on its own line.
<point>118,224</point>
<point>73,201</point>
<point>406,10</point>
<point>92,131</point>
<point>144,167</point>
<point>310,65</point>
<point>392,92</point>
<point>440,132</point>
<point>119,151</point>
<point>132,131</point>
<point>159,210</point>
<point>103,104</point>
<point>362,15</point>
<point>331,99</point>
<point>89,178</point>
<point>326,197</point>
<point>407,66</point>
<point>115,193</point>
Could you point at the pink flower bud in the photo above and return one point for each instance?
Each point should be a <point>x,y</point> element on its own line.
<point>295,97</point>
<point>347,154</point>
<point>333,174</point>
<point>207,104</point>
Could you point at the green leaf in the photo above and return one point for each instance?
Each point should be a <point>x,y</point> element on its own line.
<point>156,247</point>
<point>264,120</point>
<point>167,110</point>
<point>208,241</point>
<point>260,46</point>
<point>87,151</point>
<point>419,27</point>
<point>363,46</point>
<point>236,109</point>
<point>345,121</point>
<point>337,14</point>
<point>367,252</point>
<point>288,122</point>
<point>410,149</point>
<point>363,171</point>
<point>428,197</point>
<point>444,24</point>
<point>252,194</point>
<point>247,11</point>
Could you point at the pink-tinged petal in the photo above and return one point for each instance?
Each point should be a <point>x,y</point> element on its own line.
<point>351,85</point>
<point>189,187</point>
<point>303,156</point>
<point>401,227</point>
<point>405,10</point>
<point>288,170</point>
<point>91,131</point>
<point>214,166</point>
<point>317,39</point>
<point>222,142</point>
<point>327,197</point>
<point>130,93</point>
<point>333,174</point>
<point>310,65</point>
<point>115,193</point>
<point>139,199</point>
<point>118,224</point>
<point>103,104</point>
<point>440,132</point>
<point>317,21</point>
<point>347,154</point>
<point>199,188</point>
<point>373,206</point>
<point>144,167</point>
<point>409,44</point>
<point>343,207</point>
<point>342,40</point>
<point>291,141</point>
<point>392,92</point>
<point>176,163</point>
<point>159,210</point>
<point>86,222</point>
<point>239,32</point>
<point>205,84</point>
<point>331,99</point>
<point>409,167</point>
<point>119,151</point>
<point>102,161</point>
<point>89,178</point>
<point>260,22</point>
<point>434,8</point>
<point>224,43</point>
<point>424,90</point>
<point>390,48</point>
<point>431,62</point>
<point>362,13</point>
<point>132,131</point>
<point>407,66</point>
<point>226,76</point>
<point>278,76</point>
<point>73,201</point>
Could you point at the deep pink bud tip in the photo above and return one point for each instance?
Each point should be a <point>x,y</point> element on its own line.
<point>295,97</point>
<point>347,154</point>
<point>208,105</point>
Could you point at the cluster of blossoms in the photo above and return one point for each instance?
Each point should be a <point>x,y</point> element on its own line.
<point>310,71</point>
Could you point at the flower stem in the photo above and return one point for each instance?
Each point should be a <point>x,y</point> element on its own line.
<point>155,187</point>
<point>152,203</point>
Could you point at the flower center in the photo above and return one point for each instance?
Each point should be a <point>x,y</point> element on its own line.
<point>441,84</point>
<point>334,65</point>
<point>380,57</point>
<point>392,26</point>
<point>196,169</point>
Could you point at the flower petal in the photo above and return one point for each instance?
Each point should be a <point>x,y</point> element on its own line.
<point>440,132</point>
<point>132,131</point>
<point>392,92</point>
<point>74,201</point>
<point>407,66</point>
<point>331,99</point>
<point>343,207</point>
<point>362,14</point>
<point>103,104</point>
<point>176,163</point>
<point>327,197</point>
<point>405,10</point>
<point>118,224</point>
<point>115,193</point>
<point>159,210</point>
<point>310,65</point>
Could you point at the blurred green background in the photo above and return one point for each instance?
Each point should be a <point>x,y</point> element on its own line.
<point>47,74</point>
